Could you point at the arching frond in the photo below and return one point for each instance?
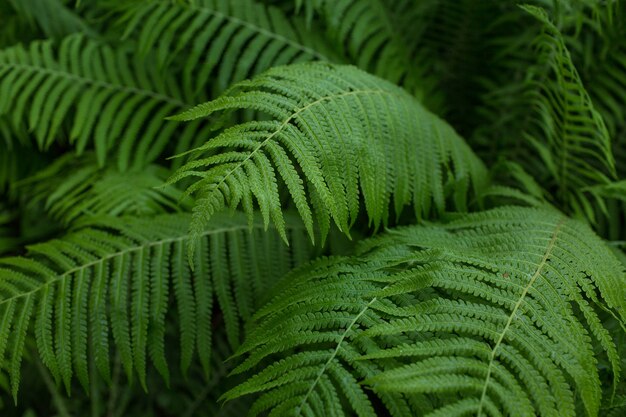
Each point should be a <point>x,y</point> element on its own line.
<point>601,59</point>
<point>220,42</point>
<point>94,95</point>
<point>110,284</point>
<point>570,134</point>
<point>75,187</point>
<point>494,313</point>
<point>334,134</point>
<point>544,109</point>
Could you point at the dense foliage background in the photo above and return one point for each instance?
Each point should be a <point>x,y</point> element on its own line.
<point>449,175</point>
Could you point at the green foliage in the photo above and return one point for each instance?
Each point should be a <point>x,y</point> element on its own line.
<point>113,98</point>
<point>72,188</point>
<point>319,117</point>
<point>226,41</point>
<point>366,30</point>
<point>52,17</point>
<point>492,311</point>
<point>116,277</point>
<point>575,143</point>
<point>427,208</point>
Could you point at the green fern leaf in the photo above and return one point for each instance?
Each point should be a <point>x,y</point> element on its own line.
<point>72,188</point>
<point>115,100</point>
<point>577,147</point>
<point>543,108</point>
<point>221,42</point>
<point>337,133</point>
<point>369,32</point>
<point>107,284</point>
<point>492,313</point>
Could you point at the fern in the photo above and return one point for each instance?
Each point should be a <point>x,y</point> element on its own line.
<point>222,41</point>
<point>449,286</point>
<point>115,100</point>
<point>348,132</point>
<point>109,283</point>
<point>491,313</point>
<point>578,151</point>
<point>602,67</point>
<point>563,127</point>
<point>367,29</point>
<point>72,188</point>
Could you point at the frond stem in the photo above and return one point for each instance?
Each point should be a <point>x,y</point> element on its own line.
<point>294,115</point>
<point>334,353</point>
<point>126,251</point>
<point>516,307</point>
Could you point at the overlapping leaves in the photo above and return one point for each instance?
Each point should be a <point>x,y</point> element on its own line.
<point>111,285</point>
<point>494,312</point>
<point>335,136</point>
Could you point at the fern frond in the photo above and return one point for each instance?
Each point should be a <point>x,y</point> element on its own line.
<point>574,141</point>
<point>322,326</point>
<point>108,98</point>
<point>493,313</point>
<point>543,108</point>
<point>110,283</point>
<point>368,32</point>
<point>75,187</point>
<point>222,42</point>
<point>601,59</point>
<point>334,134</point>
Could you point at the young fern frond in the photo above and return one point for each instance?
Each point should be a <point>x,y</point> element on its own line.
<point>493,313</point>
<point>110,283</point>
<point>335,136</point>
<point>221,42</point>
<point>106,97</point>
<point>75,187</point>
<point>570,134</point>
<point>602,67</point>
<point>546,110</point>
